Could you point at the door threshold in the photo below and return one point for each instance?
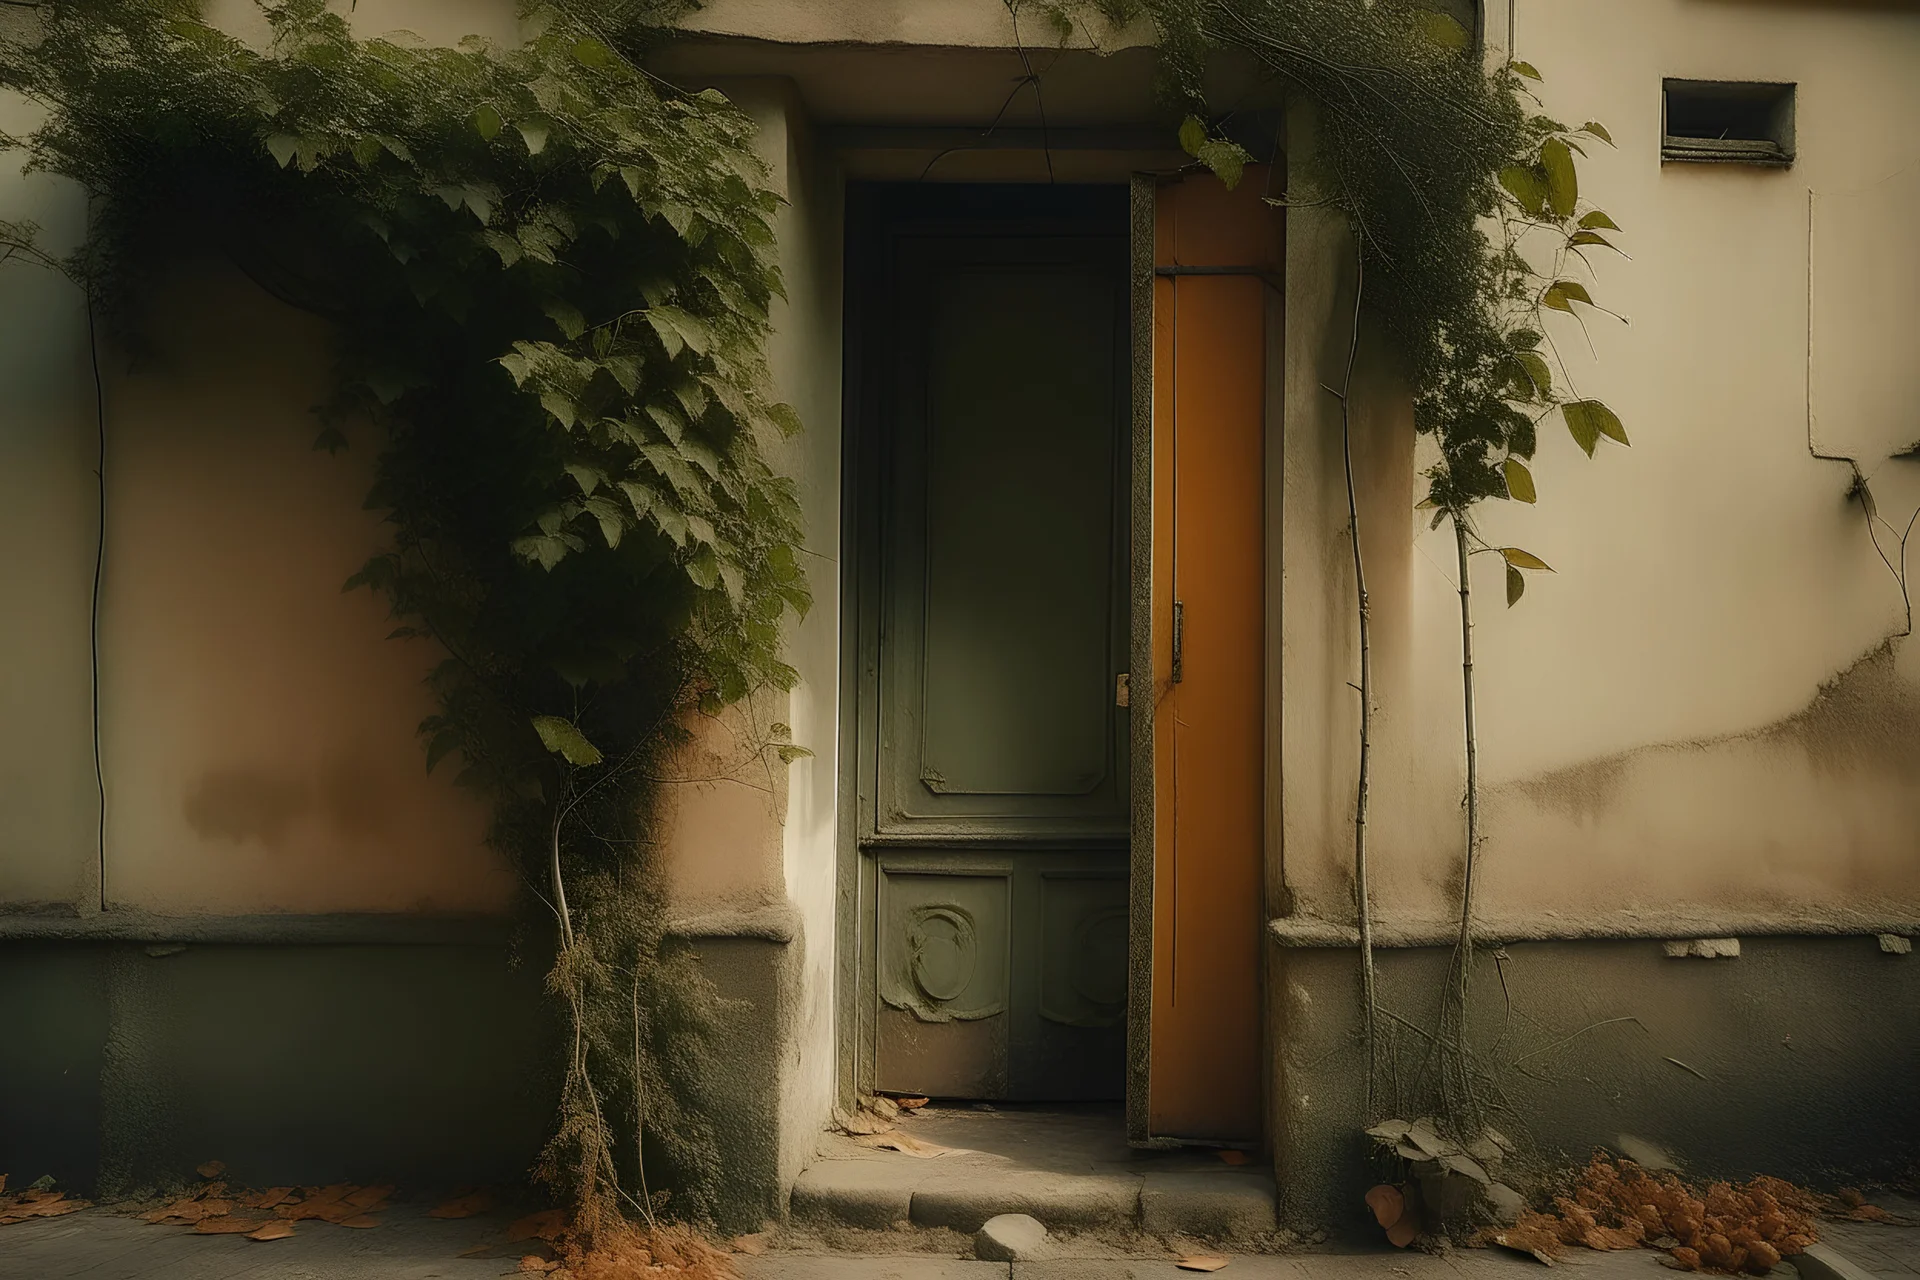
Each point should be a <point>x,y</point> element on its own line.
<point>1070,1166</point>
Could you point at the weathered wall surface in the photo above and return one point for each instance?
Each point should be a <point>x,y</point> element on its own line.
<point>1797,1058</point>
<point>292,1064</point>
<point>1707,708</point>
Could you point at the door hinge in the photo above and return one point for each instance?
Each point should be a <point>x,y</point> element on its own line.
<point>1179,638</point>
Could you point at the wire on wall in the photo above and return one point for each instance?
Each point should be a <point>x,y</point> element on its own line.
<point>99,565</point>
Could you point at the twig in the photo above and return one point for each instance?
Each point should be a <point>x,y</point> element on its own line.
<point>1690,1070</point>
<point>1362,901</point>
<point>1593,1026</point>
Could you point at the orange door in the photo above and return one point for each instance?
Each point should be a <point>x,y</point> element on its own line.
<point>1210,353</point>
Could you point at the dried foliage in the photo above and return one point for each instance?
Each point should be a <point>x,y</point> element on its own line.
<point>37,1201</point>
<point>1616,1204</point>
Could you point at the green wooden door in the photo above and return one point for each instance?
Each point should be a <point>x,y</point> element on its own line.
<point>994,832</point>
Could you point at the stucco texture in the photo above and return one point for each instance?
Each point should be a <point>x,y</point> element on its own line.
<point>1708,705</point>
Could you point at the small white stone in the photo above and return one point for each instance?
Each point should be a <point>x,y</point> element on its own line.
<point>1010,1237</point>
<point>1704,948</point>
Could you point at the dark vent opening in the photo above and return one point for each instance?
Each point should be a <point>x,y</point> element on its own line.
<point>1728,120</point>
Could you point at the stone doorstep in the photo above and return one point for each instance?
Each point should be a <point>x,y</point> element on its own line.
<point>1228,1204</point>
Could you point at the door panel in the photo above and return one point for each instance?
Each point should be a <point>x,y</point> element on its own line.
<point>1002,624</point>
<point>1019,518</point>
<point>994,793</point>
<point>1210,344</point>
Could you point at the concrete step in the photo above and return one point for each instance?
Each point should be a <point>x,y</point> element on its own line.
<point>1073,1174</point>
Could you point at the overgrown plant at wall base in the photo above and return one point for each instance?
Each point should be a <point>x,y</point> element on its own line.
<point>548,277</point>
<point>1463,198</point>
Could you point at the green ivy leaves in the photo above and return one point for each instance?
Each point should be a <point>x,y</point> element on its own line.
<point>1228,160</point>
<point>564,739</point>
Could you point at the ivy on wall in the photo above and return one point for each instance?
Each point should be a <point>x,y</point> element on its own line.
<point>549,278</point>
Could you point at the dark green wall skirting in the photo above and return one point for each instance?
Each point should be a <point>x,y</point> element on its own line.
<point>1799,1057</point>
<point>422,1065</point>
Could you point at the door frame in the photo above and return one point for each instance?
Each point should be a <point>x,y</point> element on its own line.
<point>935,207</point>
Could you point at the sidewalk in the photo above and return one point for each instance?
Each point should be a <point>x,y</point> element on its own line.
<point>408,1245</point>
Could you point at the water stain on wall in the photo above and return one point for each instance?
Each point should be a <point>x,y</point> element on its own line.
<point>1865,719</point>
<point>246,804</point>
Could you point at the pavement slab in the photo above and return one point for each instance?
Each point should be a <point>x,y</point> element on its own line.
<point>99,1245</point>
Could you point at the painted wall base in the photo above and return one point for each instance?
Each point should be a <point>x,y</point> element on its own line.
<point>1794,1058</point>
<point>419,1065</point>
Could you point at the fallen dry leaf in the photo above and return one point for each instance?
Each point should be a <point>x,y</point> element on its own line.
<point>910,1104</point>
<point>360,1221</point>
<point>753,1246</point>
<point>462,1206</point>
<point>533,1263</point>
<point>1402,1233</point>
<point>548,1224</point>
<point>905,1144</point>
<point>1202,1262</point>
<point>211,1169</point>
<point>267,1199</point>
<point>226,1226</point>
<point>278,1230</point>
<point>1389,1205</point>
<point>37,1204</point>
<point>1233,1155</point>
<point>367,1197</point>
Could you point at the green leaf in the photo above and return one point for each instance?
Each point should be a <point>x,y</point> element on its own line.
<point>282,147</point>
<point>1588,420</point>
<point>1519,480</point>
<point>1563,183</point>
<point>1193,135</point>
<point>564,739</point>
<point>704,569</point>
<point>1516,586</point>
<point>1526,184</point>
<point>1536,367</point>
<point>587,477</point>
<point>786,418</point>
<point>534,133</point>
<point>1597,219</point>
<point>1579,238</point>
<point>565,315</point>
<point>1581,426</point>
<point>1562,294</point>
<point>592,53</point>
<point>486,122</point>
<point>1598,130</point>
<point>1228,160</point>
<point>1525,69</point>
<point>1443,30</point>
<point>1519,559</point>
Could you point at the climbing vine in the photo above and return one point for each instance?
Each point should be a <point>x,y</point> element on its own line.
<point>548,277</point>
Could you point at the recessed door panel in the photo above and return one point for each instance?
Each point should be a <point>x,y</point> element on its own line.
<point>993,607</point>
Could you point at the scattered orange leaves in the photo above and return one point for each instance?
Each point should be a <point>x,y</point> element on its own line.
<point>636,1253</point>
<point>211,1169</point>
<point>33,1203</point>
<point>1233,1155</point>
<point>462,1206</point>
<point>548,1224</point>
<point>1619,1205</point>
<point>211,1210</point>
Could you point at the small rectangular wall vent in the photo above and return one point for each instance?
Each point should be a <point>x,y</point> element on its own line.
<point>1727,121</point>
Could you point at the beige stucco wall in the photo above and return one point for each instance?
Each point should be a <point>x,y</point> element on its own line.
<point>1653,728</point>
